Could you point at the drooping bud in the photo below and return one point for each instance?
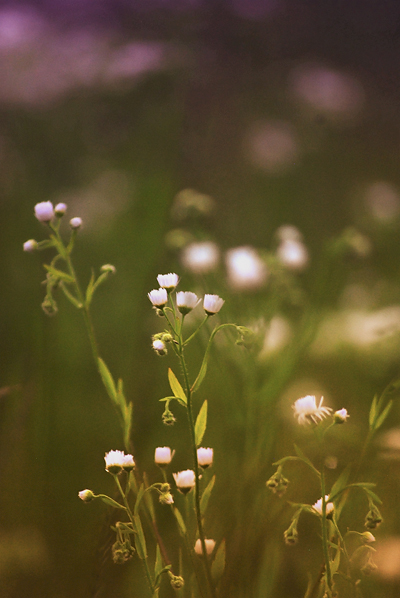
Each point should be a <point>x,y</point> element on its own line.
<point>86,495</point>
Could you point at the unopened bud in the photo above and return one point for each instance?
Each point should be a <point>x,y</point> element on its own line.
<point>86,495</point>
<point>75,223</point>
<point>30,245</point>
<point>60,209</point>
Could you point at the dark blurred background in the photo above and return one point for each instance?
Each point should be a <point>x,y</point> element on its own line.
<point>271,113</point>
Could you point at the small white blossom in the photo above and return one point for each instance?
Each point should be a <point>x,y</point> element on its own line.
<point>60,209</point>
<point>205,457</point>
<point>293,254</point>
<point>75,223</point>
<point>30,245</point>
<point>163,456</point>
<point>341,416</point>
<point>158,297</point>
<point>114,461</point>
<point>201,258</point>
<point>168,281</point>
<point>44,211</point>
<point>212,304</point>
<point>306,410</point>
<point>210,545</point>
<point>129,463</point>
<point>328,506</point>
<point>186,301</point>
<point>185,480</point>
<point>159,346</point>
<point>87,495</point>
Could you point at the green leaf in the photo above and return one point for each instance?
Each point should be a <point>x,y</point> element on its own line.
<point>201,424</point>
<point>176,387</point>
<point>89,290</point>
<point>340,483</point>
<point>127,415</point>
<point>336,562</point>
<point>108,380</point>
<point>181,523</point>
<point>201,374</point>
<point>140,541</point>
<point>372,412</point>
<point>139,497</point>
<point>205,497</point>
<point>59,274</point>
<point>305,459</point>
<point>109,501</point>
<point>158,564</point>
<point>218,565</point>
<point>379,421</point>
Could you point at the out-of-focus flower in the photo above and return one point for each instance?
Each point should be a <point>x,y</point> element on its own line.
<point>114,461</point>
<point>277,335</point>
<point>75,223</point>
<point>168,281</point>
<point>60,209</point>
<point>108,268</point>
<point>205,457</point>
<point>387,558</point>
<point>341,416</point>
<point>185,480</point>
<point>163,456</point>
<point>212,304</point>
<point>210,545</point>
<point>293,254</point>
<point>272,146</point>
<point>159,346</point>
<point>44,211</point>
<point>246,270</point>
<point>30,245</point>
<point>383,201</point>
<point>306,410</point>
<point>329,507</point>
<point>201,258</point>
<point>86,495</point>
<point>190,202</point>
<point>186,301</point>
<point>158,297</point>
<point>287,232</point>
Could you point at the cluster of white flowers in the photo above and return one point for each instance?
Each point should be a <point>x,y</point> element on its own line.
<point>117,461</point>
<point>307,411</point>
<point>45,212</point>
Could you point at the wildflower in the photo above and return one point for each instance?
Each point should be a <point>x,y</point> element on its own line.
<point>184,480</point>
<point>291,535</point>
<point>158,297</point>
<point>329,507</point>
<point>75,223</point>
<point>166,498</point>
<point>114,461</point>
<point>201,258</point>
<point>159,347</point>
<point>212,304</point>
<point>373,518</point>
<point>128,463</point>
<point>210,545</point>
<point>246,270</point>
<point>177,582</point>
<point>293,254</point>
<point>205,457</point>
<point>86,495</point>
<point>367,537</point>
<point>108,268</point>
<point>186,301</point>
<point>60,209</point>
<point>30,245</point>
<point>44,211</point>
<point>168,281</point>
<point>278,483</point>
<point>163,456</point>
<point>122,552</point>
<point>341,416</point>
<point>306,410</point>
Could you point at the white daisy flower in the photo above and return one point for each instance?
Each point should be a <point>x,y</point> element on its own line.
<point>306,410</point>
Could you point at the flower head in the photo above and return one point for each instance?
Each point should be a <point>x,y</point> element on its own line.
<point>341,416</point>
<point>186,301</point>
<point>163,456</point>
<point>159,346</point>
<point>75,223</point>
<point>201,258</point>
<point>60,209</point>
<point>129,463</point>
<point>212,304</point>
<point>246,269</point>
<point>158,297</point>
<point>328,506</point>
<point>205,457</point>
<point>210,545</point>
<point>168,281</point>
<point>293,254</point>
<point>115,461</point>
<point>44,211</point>
<point>30,245</point>
<point>306,410</point>
<point>184,480</point>
<point>86,495</point>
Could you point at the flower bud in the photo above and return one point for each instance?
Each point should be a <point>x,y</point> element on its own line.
<point>44,211</point>
<point>177,581</point>
<point>86,495</point>
<point>373,518</point>
<point>128,463</point>
<point>278,483</point>
<point>122,552</point>
<point>60,210</point>
<point>205,457</point>
<point>210,545</point>
<point>166,498</point>
<point>159,347</point>
<point>163,456</point>
<point>108,268</point>
<point>341,416</point>
<point>291,535</point>
<point>185,480</point>
<point>75,223</point>
<point>31,245</point>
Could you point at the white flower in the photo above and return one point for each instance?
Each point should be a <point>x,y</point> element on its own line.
<point>129,463</point>
<point>114,461</point>
<point>340,416</point>
<point>186,301</point>
<point>75,223</point>
<point>166,498</point>
<point>212,304</point>
<point>328,506</point>
<point>185,480</point>
<point>205,457</point>
<point>60,209</point>
<point>44,211</point>
<point>30,245</point>
<point>210,545</point>
<point>201,258</point>
<point>158,297</point>
<point>163,456</point>
<point>293,254</point>
<point>159,346</point>
<point>168,281</point>
<point>246,270</point>
<point>86,495</point>
<point>306,410</point>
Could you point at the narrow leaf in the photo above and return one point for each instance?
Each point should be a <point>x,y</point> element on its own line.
<point>205,497</point>
<point>140,541</point>
<point>109,501</point>
<point>181,523</point>
<point>176,387</point>
<point>340,483</point>
<point>89,290</point>
<point>218,565</point>
<point>201,374</point>
<point>158,564</point>
<point>336,562</point>
<point>379,421</point>
<point>139,498</point>
<point>108,380</point>
<point>372,412</point>
<point>201,424</point>
<point>59,274</point>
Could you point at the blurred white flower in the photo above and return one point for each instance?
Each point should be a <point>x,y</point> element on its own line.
<point>205,457</point>
<point>307,411</point>
<point>212,304</point>
<point>210,545</point>
<point>75,223</point>
<point>246,270</point>
<point>277,335</point>
<point>158,297</point>
<point>44,211</point>
<point>272,146</point>
<point>159,346</point>
<point>383,201</point>
<point>200,258</point>
<point>30,245</point>
<point>114,461</point>
<point>185,480</point>
<point>341,416</point>
<point>168,281</point>
<point>293,254</point>
<point>186,301</point>
<point>387,557</point>
<point>329,507</point>
<point>60,209</point>
<point>287,232</point>
<point>163,456</point>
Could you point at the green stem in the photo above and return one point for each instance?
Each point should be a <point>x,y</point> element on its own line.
<point>324,527</point>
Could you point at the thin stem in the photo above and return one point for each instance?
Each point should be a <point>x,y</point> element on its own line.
<point>324,526</point>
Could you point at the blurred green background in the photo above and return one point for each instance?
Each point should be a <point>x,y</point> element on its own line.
<point>284,113</point>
